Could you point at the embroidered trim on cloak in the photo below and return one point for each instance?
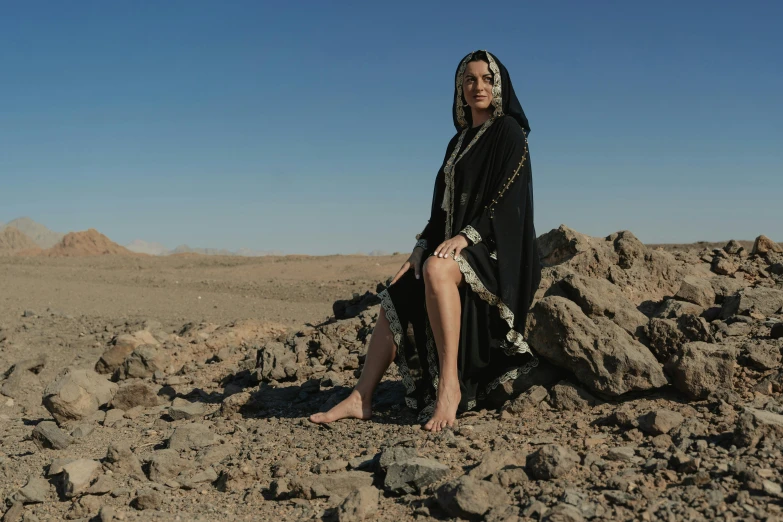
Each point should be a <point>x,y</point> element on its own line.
<point>396,328</point>
<point>472,234</point>
<point>514,342</point>
<point>448,172</point>
<point>421,243</point>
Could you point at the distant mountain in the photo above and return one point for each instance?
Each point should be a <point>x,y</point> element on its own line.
<point>41,235</point>
<point>87,243</point>
<point>257,253</point>
<point>145,247</point>
<point>13,240</point>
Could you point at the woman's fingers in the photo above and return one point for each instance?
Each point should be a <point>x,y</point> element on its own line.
<point>457,250</point>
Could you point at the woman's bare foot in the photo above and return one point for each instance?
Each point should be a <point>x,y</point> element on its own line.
<point>353,407</point>
<point>445,414</point>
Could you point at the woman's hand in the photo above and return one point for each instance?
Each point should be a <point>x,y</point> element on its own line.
<point>414,261</point>
<point>455,244</point>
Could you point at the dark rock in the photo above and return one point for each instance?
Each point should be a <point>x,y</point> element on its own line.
<point>760,355</point>
<point>48,435</point>
<point>696,290</point>
<point>136,393</point>
<point>527,401</point>
<point>599,297</point>
<point>761,300</point>
<point>567,396</point>
<point>603,356</point>
<point>700,368</point>
<point>777,331</point>
<point>275,361</point>
<point>659,422</point>
<point>143,362</point>
<point>413,475</point>
<point>22,376</point>
<point>732,247</point>
<point>122,461</point>
<point>192,436</point>
<point>395,455</point>
<point>493,462</point>
<point>147,500</point>
<point>755,425</point>
<point>469,498</point>
<point>552,461</point>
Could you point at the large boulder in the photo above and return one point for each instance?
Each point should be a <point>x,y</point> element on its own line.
<point>603,356</point>
<point>599,297</point>
<point>700,368</point>
<point>762,300</point>
<point>143,362</point>
<point>77,394</point>
<point>764,245</point>
<point>696,290</point>
<point>640,273</point>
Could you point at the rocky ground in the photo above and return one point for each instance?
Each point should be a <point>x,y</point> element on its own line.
<point>179,389</point>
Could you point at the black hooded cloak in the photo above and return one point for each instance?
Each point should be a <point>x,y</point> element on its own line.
<point>484,191</point>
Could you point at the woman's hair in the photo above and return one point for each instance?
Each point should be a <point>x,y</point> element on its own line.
<point>479,56</point>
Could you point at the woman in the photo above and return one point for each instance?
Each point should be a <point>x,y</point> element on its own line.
<point>455,323</point>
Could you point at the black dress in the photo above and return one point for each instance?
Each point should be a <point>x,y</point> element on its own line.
<point>483,191</point>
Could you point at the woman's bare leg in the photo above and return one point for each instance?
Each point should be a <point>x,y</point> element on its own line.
<point>380,354</point>
<point>442,279</point>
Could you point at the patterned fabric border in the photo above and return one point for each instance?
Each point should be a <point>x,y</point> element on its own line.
<point>472,234</point>
<point>396,329</point>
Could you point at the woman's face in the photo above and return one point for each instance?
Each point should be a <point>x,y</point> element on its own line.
<point>477,85</point>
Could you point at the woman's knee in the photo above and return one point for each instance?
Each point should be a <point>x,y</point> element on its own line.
<point>440,270</point>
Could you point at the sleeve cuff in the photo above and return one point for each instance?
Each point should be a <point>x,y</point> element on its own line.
<point>421,243</point>
<point>471,233</point>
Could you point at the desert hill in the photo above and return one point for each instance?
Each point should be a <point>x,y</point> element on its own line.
<point>87,243</point>
<point>145,247</point>
<point>42,236</point>
<point>13,240</point>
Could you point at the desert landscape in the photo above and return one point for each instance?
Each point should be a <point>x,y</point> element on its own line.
<point>177,388</point>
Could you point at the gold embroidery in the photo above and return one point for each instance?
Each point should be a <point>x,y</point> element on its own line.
<point>494,255</point>
<point>497,97</point>
<point>461,121</point>
<point>491,205</point>
<point>472,234</point>
<point>511,374</point>
<point>396,329</point>
<point>448,171</point>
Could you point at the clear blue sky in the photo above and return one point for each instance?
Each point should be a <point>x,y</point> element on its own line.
<point>318,127</point>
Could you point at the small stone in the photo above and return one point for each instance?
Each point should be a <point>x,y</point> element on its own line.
<point>48,435</point>
<point>113,417</point>
<point>147,500</point>
<point>552,461</point>
<point>771,488</point>
<point>493,462</point>
<point>135,393</point>
<point>777,331</point>
<point>121,460</point>
<point>395,455</point>
<point>696,290</point>
<point>568,396</point>
<point>331,465</point>
<point>35,491</point>
<point>84,508</point>
<point>359,505</point>
<point>77,394</point>
<point>82,430</point>
<point>413,475</point>
<point>660,421</point>
<point>621,454</point>
<point>192,436</point>
<point>470,498</point>
<point>78,475</point>
<point>183,409</point>
<point>563,513</point>
<point>166,464</point>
